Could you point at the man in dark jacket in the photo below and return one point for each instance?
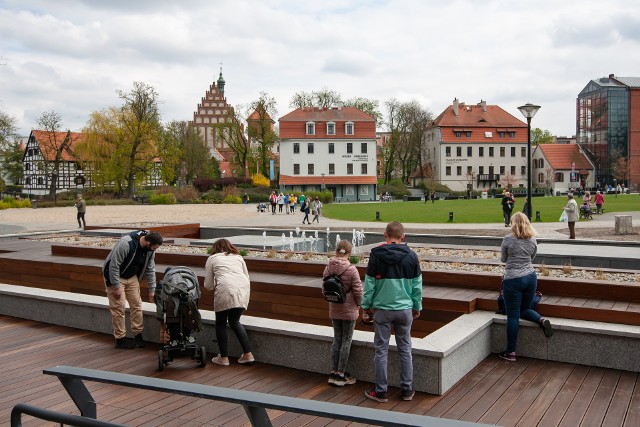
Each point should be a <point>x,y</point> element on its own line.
<point>131,259</point>
<point>507,207</point>
<point>393,295</point>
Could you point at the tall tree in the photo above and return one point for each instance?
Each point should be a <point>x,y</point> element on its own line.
<point>260,129</point>
<point>141,131</point>
<point>53,146</point>
<point>231,132</point>
<point>369,106</point>
<point>184,154</point>
<point>10,150</point>
<point>323,98</point>
<point>539,136</point>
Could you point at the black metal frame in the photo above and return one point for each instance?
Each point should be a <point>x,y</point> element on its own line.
<point>255,404</point>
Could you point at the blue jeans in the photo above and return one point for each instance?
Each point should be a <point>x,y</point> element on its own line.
<point>341,345</point>
<point>401,320</point>
<point>518,297</point>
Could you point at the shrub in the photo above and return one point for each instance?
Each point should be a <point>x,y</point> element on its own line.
<point>260,180</point>
<point>396,189</point>
<point>9,202</point>
<point>203,184</point>
<point>182,194</point>
<point>162,199</point>
<point>243,252</point>
<point>232,199</point>
<point>354,259</point>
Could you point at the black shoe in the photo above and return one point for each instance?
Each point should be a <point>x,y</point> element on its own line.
<point>139,341</point>
<point>407,394</point>
<point>124,344</point>
<point>546,326</point>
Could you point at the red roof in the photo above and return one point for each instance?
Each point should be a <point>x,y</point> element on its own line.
<point>474,115</point>
<point>560,156</point>
<point>314,114</point>
<point>328,179</point>
<point>49,142</point>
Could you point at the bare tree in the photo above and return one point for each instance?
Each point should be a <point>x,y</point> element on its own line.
<point>230,131</point>
<point>260,129</point>
<point>549,179</point>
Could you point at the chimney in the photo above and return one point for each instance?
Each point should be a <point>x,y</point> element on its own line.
<point>339,105</point>
<point>455,107</point>
<point>483,104</point>
<point>612,76</point>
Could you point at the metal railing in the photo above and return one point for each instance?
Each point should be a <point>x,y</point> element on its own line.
<point>61,418</point>
<point>255,404</point>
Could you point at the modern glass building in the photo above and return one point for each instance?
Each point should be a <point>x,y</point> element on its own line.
<point>607,128</point>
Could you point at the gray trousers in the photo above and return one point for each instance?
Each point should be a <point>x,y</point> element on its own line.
<point>401,320</point>
<point>341,345</point>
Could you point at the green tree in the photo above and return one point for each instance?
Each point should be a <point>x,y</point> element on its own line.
<point>260,130</point>
<point>10,150</point>
<point>539,136</point>
<point>141,130</point>
<point>184,154</point>
<point>231,132</point>
<point>369,106</point>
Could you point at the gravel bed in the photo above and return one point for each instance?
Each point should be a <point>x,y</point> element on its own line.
<point>467,255</point>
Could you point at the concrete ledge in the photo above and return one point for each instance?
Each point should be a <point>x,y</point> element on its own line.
<point>440,360</point>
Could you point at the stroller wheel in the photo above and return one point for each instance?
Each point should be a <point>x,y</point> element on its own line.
<point>203,357</point>
<point>160,360</point>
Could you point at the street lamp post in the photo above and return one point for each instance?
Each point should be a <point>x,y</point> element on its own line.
<point>529,110</point>
<point>322,181</point>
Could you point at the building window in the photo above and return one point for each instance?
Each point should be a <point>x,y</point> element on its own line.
<point>332,169</point>
<point>502,169</point>
<point>349,147</point>
<point>296,148</point>
<point>40,181</point>
<point>350,169</point>
<point>559,177</point>
<point>480,151</point>
<point>310,147</point>
<point>458,133</point>
<point>512,134</point>
<point>459,151</point>
<point>27,180</point>
<point>363,169</point>
<point>447,151</point>
<point>513,170</point>
<point>469,151</point>
<point>481,170</point>
<point>363,147</point>
<point>310,169</point>
<point>490,151</point>
<point>349,128</point>
<point>448,171</point>
<point>469,170</point>
<point>513,151</point>
<point>502,152</point>
<point>331,148</point>
<point>501,134</point>
<point>296,169</point>
<point>541,163</point>
<point>311,128</point>
<point>535,163</point>
<point>467,134</point>
<point>523,151</point>
<point>541,178</point>
<point>459,170</point>
<point>331,128</point>
<point>523,170</point>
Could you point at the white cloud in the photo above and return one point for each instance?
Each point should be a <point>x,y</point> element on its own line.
<point>72,55</point>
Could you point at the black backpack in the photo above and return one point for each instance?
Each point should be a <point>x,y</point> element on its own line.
<point>332,288</point>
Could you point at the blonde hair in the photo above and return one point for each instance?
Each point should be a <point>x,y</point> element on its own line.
<point>521,227</point>
<point>343,247</point>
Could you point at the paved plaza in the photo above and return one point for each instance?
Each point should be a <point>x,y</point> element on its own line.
<point>21,221</point>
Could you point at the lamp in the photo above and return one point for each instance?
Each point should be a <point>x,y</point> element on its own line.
<point>529,110</point>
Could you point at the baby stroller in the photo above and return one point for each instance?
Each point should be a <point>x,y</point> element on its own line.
<point>176,301</point>
<point>585,212</point>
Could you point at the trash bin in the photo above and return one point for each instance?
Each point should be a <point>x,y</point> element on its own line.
<point>34,204</point>
<point>405,198</point>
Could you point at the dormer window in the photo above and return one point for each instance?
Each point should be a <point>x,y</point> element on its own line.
<point>349,128</point>
<point>331,128</point>
<point>311,128</point>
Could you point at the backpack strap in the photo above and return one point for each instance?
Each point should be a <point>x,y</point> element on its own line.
<point>344,271</point>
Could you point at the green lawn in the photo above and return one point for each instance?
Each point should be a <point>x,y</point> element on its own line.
<point>465,211</point>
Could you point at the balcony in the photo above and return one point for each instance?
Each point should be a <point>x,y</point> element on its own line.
<point>487,178</point>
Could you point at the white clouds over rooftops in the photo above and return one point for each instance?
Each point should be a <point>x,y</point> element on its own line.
<point>71,56</point>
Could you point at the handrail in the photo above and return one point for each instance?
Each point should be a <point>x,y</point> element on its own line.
<point>254,403</point>
<point>57,417</point>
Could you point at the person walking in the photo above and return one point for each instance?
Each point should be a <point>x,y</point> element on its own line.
<point>393,295</point>
<point>520,281</point>
<point>81,206</point>
<point>292,203</point>
<point>317,207</point>
<point>131,259</point>
<point>280,202</point>
<point>343,316</point>
<point>273,199</point>
<point>304,208</point>
<point>598,199</point>
<point>226,274</point>
<point>572,211</point>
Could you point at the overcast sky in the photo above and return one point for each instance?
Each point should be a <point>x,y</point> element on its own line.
<point>71,56</point>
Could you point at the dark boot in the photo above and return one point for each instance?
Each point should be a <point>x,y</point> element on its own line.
<point>139,341</point>
<point>123,344</point>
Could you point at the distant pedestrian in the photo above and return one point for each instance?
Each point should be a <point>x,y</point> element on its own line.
<point>81,206</point>
<point>304,208</point>
<point>520,281</point>
<point>507,206</point>
<point>316,210</point>
<point>273,199</point>
<point>598,199</point>
<point>433,197</point>
<point>573,212</point>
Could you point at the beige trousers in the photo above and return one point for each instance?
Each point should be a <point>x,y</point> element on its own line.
<point>131,294</point>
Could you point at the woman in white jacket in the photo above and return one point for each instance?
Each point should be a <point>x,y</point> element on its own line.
<point>227,276</point>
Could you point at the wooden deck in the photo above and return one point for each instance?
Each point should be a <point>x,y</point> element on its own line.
<point>526,393</point>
